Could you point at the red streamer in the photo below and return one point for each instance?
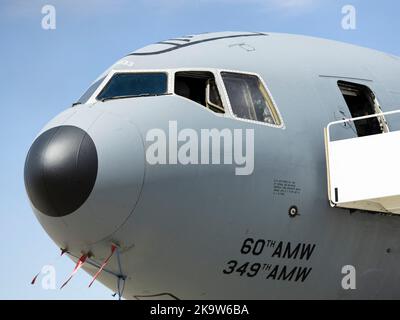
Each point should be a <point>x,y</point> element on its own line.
<point>79,264</point>
<point>113,248</point>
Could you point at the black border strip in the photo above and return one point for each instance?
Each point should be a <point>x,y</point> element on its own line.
<point>178,46</point>
<point>179,39</point>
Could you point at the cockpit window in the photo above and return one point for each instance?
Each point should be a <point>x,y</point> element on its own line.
<point>249,99</point>
<point>200,87</point>
<point>124,85</point>
<point>89,92</point>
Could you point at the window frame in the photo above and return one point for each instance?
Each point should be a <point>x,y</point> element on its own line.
<point>275,110</point>
<point>170,72</point>
<point>208,99</point>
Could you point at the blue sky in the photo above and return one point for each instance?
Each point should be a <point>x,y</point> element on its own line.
<point>44,71</point>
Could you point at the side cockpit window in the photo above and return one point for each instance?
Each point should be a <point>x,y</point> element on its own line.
<point>200,87</point>
<point>249,99</point>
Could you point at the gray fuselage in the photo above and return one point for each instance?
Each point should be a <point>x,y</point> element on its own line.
<point>200,231</point>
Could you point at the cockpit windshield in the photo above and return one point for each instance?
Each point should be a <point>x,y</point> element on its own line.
<point>125,85</point>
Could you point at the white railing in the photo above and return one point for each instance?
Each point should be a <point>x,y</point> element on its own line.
<point>376,115</point>
<point>364,172</point>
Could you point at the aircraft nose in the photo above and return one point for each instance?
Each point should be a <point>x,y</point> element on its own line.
<point>61,170</point>
<point>84,175</point>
